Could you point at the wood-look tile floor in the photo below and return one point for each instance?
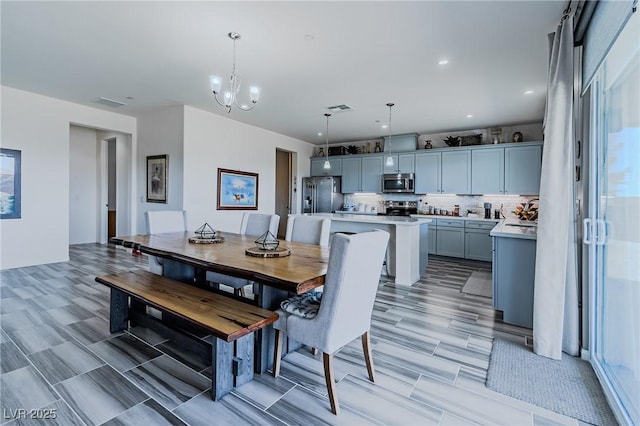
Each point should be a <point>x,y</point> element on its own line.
<point>431,347</point>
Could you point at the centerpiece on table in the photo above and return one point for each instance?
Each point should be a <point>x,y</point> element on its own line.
<point>206,235</point>
<point>267,245</point>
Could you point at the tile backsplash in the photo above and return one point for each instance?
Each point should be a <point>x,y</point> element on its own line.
<point>466,202</point>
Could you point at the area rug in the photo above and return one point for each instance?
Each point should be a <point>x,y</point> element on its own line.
<point>479,283</point>
<point>568,386</point>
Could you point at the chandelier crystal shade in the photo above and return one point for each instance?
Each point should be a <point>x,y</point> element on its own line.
<point>389,162</point>
<point>327,164</point>
<point>227,95</point>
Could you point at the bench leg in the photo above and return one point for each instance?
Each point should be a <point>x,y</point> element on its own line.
<point>231,365</point>
<point>119,311</point>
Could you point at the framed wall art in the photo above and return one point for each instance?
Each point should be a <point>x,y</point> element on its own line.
<point>157,173</point>
<point>10,184</point>
<point>237,190</point>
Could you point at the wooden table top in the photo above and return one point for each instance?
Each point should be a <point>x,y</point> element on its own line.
<point>300,272</point>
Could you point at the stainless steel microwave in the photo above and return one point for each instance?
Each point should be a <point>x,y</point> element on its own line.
<point>398,182</point>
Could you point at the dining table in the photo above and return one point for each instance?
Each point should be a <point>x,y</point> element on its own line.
<point>276,278</point>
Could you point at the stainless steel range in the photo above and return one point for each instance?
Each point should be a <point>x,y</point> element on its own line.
<point>400,208</point>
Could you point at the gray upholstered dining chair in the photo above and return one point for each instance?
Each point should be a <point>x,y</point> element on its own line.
<point>161,221</point>
<point>253,224</point>
<point>344,311</point>
<point>308,229</point>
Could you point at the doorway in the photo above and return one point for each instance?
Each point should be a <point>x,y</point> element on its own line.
<point>284,188</point>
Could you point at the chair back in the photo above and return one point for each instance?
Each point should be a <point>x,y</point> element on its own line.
<point>309,229</point>
<point>259,223</point>
<point>162,221</point>
<point>350,289</point>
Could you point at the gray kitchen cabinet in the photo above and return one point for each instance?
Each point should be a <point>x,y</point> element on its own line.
<point>456,172</point>
<point>361,174</point>
<point>432,238</point>
<point>522,166</point>
<point>513,274</point>
<point>450,237</point>
<point>477,242</point>
<point>351,175</point>
<point>428,179</point>
<point>487,171</point>
<point>402,163</point>
<point>371,177</point>
<point>317,167</point>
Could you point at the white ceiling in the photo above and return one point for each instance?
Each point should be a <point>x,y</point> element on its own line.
<point>363,54</point>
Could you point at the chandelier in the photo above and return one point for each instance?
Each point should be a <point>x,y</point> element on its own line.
<point>229,92</point>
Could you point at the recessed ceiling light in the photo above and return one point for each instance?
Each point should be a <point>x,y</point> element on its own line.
<point>469,115</point>
<point>319,133</point>
<point>384,126</point>
<point>443,62</point>
<point>528,92</point>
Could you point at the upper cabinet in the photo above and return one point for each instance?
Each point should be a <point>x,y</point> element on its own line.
<point>317,167</point>
<point>428,179</point>
<point>456,172</point>
<point>402,163</point>
<point>487,171</point>
<point>362,174</point>
<point>522,165</point>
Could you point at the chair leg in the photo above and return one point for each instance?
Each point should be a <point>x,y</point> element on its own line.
<point>331,383</point>
<point>277,353</point>
<point>239,292</point>
<point>366,348</point>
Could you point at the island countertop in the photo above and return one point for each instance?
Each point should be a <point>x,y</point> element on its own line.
<point>380,219</point>
<point>515,229</point>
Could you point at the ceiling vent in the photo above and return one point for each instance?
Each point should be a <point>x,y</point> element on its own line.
<point>340,108</point>
<point>109,102</point>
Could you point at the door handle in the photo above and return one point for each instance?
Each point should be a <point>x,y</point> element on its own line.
<point>587,231</point>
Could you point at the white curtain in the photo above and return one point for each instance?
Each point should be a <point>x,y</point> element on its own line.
<point>555,307</point>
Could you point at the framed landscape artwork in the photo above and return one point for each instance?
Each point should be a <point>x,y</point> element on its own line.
<point>157,169</point>
<point>10,187</point>
<point>237,190</point>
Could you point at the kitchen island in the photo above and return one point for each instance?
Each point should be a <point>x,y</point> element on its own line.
<point>407,251</point>
<point>514,263</point>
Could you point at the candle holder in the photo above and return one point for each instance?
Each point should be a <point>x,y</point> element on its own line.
<point>205,232</point>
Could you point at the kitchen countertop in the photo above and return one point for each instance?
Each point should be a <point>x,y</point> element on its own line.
<point>434,216</point>
<point>388,220</point>
<point>509,228</point>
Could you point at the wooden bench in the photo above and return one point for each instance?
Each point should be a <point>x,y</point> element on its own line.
<point>231,321</point>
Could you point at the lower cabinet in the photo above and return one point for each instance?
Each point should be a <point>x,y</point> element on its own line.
<point>450,237</point>
<point>431,238</point>
<point>514,267</point>
<point>477,242</point>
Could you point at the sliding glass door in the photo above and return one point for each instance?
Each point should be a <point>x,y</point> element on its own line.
<point>613,230</point>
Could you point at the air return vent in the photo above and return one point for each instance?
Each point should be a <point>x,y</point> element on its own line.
<point>339,108</point>
<point>109,102</point>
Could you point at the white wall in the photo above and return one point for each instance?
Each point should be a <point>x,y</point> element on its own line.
<point>160,132</point>
<point>211,142</point>
<point>39,127</point>
<point>83,185</point>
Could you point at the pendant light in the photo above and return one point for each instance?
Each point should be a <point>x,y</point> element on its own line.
<point>389,162</point>
<point>327,164</point>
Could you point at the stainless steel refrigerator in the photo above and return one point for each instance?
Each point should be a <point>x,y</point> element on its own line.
<point>321,194</point>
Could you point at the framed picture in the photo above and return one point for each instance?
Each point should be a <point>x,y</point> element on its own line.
<point>10,186</point>
<point>157,169</point>
<point>237,190</point>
